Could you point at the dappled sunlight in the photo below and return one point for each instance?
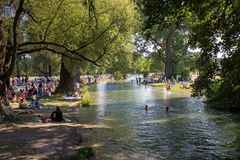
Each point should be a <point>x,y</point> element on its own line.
<point>109,119</point>
<point>43,143</point>
<point>96,145</point>
<point>187,130</point>
<point>46,125</point>
<point>43,140</point>
<point>160,121</point>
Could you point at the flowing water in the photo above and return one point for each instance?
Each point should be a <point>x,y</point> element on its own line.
<point>124,130</point>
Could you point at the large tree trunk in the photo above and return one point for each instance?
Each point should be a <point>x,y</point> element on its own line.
<point>66,79</point>
<point>5,110</point>
<point>169,63</point>
<point>7,61</point>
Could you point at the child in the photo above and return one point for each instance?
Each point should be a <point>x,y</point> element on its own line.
<point>22,105</point>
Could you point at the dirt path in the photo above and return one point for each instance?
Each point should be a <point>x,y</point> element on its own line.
<point>39,141</point>
<point>36,140</point>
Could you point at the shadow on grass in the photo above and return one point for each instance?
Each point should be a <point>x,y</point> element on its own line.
<point>42,140</point>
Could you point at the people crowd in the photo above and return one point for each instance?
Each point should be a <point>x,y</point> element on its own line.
<point>31,88</point>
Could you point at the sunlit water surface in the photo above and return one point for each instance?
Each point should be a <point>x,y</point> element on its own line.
<point>188,131</point>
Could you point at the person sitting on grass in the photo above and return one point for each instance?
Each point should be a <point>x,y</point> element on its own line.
<point>57,116</point>
<point>22,105</point>
<point>22,94</point>
<point>168,88</point>
<point>35,103</point>
<point>47,93</point>
<point>14,98</point>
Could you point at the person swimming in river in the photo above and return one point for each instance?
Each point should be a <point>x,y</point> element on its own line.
<point>167,108</point>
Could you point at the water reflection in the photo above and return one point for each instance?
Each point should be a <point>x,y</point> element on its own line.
<point>187,131</point>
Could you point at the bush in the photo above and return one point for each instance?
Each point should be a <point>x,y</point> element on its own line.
<point>82,154</point>
<point>88,152</point>
<point>119,75</point>
<point>86,100</point>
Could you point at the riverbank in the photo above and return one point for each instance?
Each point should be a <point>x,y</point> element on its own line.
<point>27,138</point>
<point>175,88</point>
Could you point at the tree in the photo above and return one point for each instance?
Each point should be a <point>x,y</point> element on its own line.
<point>216,31</point>
<point>163,24</point>
<point>111,23</point>
<point>69,28</point>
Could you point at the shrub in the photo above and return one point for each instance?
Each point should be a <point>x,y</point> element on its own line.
<point>86,100</point>
<point>88,152</point>
<point>82,154</point>
<point>119,75</point>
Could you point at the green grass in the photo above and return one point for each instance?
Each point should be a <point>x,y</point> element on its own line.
<point>54,101</point>
<point>159,85</point>
<point>176,88</point>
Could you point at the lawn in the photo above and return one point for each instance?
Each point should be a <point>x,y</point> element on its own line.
<point>176,88</point>
<point>52,102</point>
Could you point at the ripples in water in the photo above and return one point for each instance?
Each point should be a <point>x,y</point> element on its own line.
<point>187,131</point>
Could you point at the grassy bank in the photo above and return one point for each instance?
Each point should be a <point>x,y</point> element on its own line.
<point>27,136</point>
<point>176,88</point>
<point>50,102</point>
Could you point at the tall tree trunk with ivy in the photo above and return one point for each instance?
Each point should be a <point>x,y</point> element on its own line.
<point>169,63</point>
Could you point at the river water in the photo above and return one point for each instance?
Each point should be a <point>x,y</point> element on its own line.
<point>126,131</point>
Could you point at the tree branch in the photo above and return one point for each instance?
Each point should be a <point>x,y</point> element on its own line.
<point>28,12</point>
<point>163,47</point>
<point>33,50</point>
<point>75,55</point>
<point>72,57</point>
<point>95,39</point>
<point>161,56</point>
<point>105,48</point>
<point>49,24</point>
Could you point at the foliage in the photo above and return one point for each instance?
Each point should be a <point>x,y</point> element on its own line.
<point>166,32</point>
<point>114,24</point>
<point>119,75</point>
<point>142,64</point>
<point>216,30</point>
<point>86,100</point>
<point>82,154</point>
<point>186,65</point>
<point>88,152</point>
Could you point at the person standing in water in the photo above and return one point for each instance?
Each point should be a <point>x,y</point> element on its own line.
<point>146,108</point>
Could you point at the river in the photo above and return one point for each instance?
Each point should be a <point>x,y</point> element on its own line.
<point>126,131</point>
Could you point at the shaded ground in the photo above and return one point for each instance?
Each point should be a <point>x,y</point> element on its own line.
<point>26,139</point>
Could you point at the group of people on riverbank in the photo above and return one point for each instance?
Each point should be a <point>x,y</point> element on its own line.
<point>38,86</point>
<point>28,99</point>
